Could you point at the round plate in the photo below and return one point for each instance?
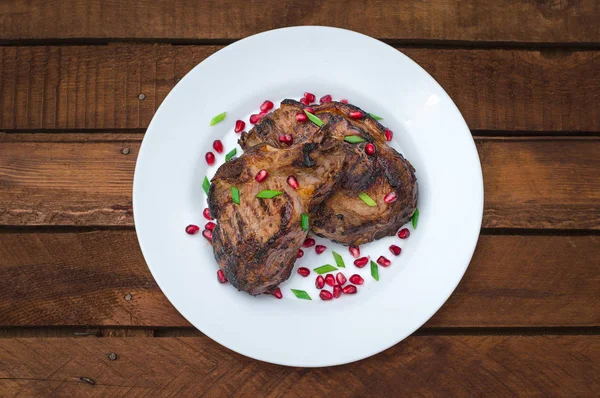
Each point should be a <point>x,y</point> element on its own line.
<point>428,129</point>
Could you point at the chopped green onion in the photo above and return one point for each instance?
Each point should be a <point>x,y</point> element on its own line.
<point>415,219</point>
<point>339,260</point>
<point>375,116</point>
<point>218,119</point>
<point>325,269</point>
<point>354,139</point>
<point>235,195</point>
<point>367,199</point>
<point>305,222</point>
<point>374,271</point>
<point>230,154</point>
<point>314,119</point>
<point>301,294</point>
<point>206,185</point>
<point>268,194</point>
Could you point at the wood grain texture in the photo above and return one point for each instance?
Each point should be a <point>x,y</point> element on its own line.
<point>97,87</point>
<point>545,21</point>
<point>548,183</point>
<point>75,278</point>
<point>418,366</point>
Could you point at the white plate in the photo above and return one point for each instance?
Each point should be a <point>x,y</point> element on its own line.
<point>429,130</point>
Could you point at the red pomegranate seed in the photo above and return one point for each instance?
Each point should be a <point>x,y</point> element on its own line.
<point>388,135</point>
<point>300,253</point>
<point>221,276</point>
<point>210,158</point>
<point>206,214</point>
<point>218,145</point>
<point>310,97</point>
<point>355,251</point>
<point>344,101</point>
<point>337,291</point>
<point>304,271</point>
<point>390,197</point>
<point>266,106</point>
<point>301,117</point>
<point>370,149</point>
<point>357,279</point>
<point>320,249</point>
<point>261,175</point>
<point>292,182</point>
<point>305,101</point>
<point>320,282</point>
<point>384,262</point>
<point>330,279</point>
<point>325,295</point>
<point>325,98</point>
<point>396,250</point>
<point>356,115</point>
<point>286,139</point>
<point>340,278</point>
<point>310,110</point>
<point>361,262</point>
<point>308,242</point>
<point>277,293</point>
<point>192,229</point>
<point>239,126</point>
<point>350,289</point>
<point>210,226</point>
<point>255,118</point>
<point>207,234</point>
<point>404,233</point>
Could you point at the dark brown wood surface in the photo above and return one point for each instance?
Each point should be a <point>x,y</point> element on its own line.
<point>74,287</point>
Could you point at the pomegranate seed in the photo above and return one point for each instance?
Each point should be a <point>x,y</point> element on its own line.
<point>390,197</point>
<point>292,182</point>
<point>356,115</point>
<point>344,101</point>
<point>340,278</point>
<point>218,145</point>
<point>325,98</point>
<point>325,295</point>
<point>310,110</point>
<point>255,118</point>
<point>320,282</point>
<point>192,229</point>
<point>395,250</point>
<point>277,293</point>
<point>388,135</point>
<point>207,234</point>
<point>305,101</point>
<point>370,149</point>
<point>355,251</point>
<point>384,262</point>
<point>357,279</point>
<point>300,253</point>
<point>304,271</point>
<point>206,214</point>
<point>310,97</point>
<point>210,158</point>
<point>261,175</point>
<point>266,106</point>
<point>350,289</point>
<point>286,139</point>
<point>361,262</point>
<point>210,226</point>
<point>320,249</point>
<point>404,233</point>
<point>239,126</point>
<point>337,291</point>
<point>330,279</point>
<point>301,117</point>
<point>308,242</point>
<point>221,276</point>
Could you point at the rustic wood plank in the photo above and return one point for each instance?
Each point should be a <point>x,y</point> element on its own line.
<point>420,365</point>
<point>548,183</point>
<point>531,281</point>
<point>543,21</point>
<point>97,87</point>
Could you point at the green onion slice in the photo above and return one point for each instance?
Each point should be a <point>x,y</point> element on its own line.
<point>367,199</point>
<point>230,154</point>
<point>268,194</point>
<point>206,185</point>
<point>415,219</point>
<point>325,269</point>
<point>218,119</point>
<point>374,270</point>
<point>354,139</point>
<point>339,260</point>
<point>235,195</point>
<point>301,294</point>
<point>375,116</point>
<point>314,119</point>
<point>305,221</point>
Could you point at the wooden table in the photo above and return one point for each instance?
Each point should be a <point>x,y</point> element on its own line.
<point>80,313</point>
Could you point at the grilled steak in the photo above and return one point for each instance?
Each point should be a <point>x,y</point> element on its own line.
<point>256,242</point>
<point>343,217</point>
